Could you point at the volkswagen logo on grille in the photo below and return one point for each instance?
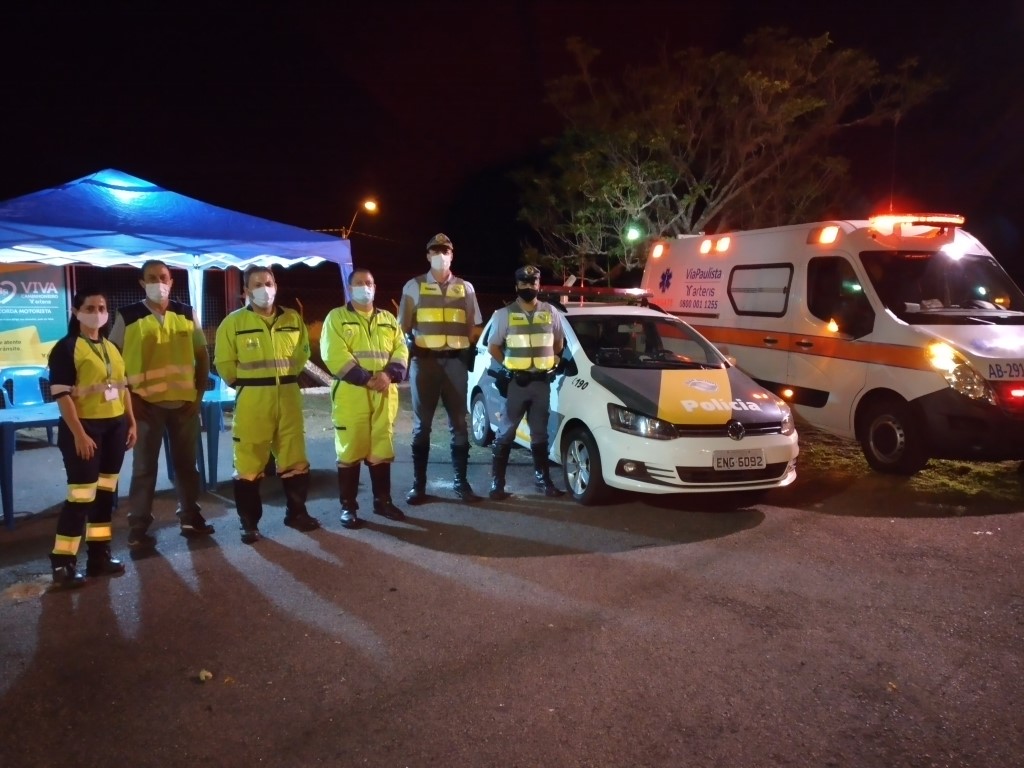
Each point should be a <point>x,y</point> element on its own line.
<point>735,430</point>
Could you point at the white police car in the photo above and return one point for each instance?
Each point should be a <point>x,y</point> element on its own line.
<point>645,403</point>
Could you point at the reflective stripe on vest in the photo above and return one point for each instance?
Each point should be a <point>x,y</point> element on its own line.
<point>91,384</point>
<point>160,358</point>
<point>349,339</point>
<point>442,315</point>
<point>266,354</point>
<point>530,341</point>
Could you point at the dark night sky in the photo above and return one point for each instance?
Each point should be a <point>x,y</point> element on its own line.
<point>297,113</point>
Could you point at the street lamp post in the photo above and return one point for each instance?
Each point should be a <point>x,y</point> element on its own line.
<point>370,206</point>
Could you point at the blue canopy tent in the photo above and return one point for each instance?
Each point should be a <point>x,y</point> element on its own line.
<point>113,219</point>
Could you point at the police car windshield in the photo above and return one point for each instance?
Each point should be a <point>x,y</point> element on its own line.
<point>933,287</point>
<point>624,341</point>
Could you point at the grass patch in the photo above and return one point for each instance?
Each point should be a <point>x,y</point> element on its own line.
<point>950,482</point>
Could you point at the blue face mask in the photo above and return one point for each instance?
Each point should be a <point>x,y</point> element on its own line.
<point>362,294</point>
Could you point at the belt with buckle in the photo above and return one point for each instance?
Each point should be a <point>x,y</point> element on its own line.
<point>528,377</point>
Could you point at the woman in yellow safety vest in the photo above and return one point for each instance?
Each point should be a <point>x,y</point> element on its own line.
<point>96,428</point>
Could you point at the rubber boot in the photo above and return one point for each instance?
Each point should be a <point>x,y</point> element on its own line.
<point>348,486</point>
<point>541,473</point>
<point>296,488</point>
<point>418,493</point>
<point>499,464</point>
<point>380,481</point>
<point>249,505</point>
<point>460,462</point>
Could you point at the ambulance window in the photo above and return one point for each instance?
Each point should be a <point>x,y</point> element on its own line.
<point>760,290</point>
<point>834,293</point>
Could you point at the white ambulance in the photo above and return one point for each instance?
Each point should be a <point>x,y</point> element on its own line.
<point>641,402</point>
<point>901,331</point>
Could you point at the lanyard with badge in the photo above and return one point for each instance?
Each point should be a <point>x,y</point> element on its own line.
<point>110,393</point>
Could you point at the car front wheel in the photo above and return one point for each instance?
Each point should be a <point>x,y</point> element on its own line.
<point>479,425</point>
<point>892,438</point>
<point>581,466</point>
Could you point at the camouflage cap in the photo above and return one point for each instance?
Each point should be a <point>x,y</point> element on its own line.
<point>527,274</point>
<point>440,240</point>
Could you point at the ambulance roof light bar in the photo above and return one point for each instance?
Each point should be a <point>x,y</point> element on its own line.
<point>890,220</point>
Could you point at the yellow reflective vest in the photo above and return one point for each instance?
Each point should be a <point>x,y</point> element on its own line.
<point>79,369</point>
<point>160,357</point>
<point>251,352</point>
<point>349,339</point>
<point>443,316</point>
<point>530,340</point>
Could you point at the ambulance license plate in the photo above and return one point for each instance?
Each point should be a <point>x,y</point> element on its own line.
<point>730,461</point>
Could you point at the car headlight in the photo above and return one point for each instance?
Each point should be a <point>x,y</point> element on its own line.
<point>625,420</point>
<point>959,373</point>
<point>788,425</point>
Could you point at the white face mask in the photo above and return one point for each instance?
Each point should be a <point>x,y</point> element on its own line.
<point>439,262</point>
<point>93,319</point>
<point>263,296</point>
<point>362,294</point>
<point>157,291</point>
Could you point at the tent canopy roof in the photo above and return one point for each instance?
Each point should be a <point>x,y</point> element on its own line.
<point>111,218</point>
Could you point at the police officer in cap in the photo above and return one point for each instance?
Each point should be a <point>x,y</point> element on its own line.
<point>526,339</point>
<point>440,314</point>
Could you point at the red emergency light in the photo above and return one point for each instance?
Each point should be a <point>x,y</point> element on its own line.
<point>890,220</point>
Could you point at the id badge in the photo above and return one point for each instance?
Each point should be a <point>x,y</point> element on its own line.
<point>110,394</point>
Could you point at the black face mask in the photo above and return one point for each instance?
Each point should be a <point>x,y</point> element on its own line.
<point>526,294</point>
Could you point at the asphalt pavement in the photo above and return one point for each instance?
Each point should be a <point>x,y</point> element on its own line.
<point>831,626</point>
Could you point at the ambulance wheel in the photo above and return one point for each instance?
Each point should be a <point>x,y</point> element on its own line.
<point>892,438</point>
<point>479,425</point>
<point>581,468</point>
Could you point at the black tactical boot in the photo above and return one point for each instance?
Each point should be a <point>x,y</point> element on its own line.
<point>460,462</point>
<point>99,562</point>
<point>499,463</point>
<point>541,473</point>
<point>418,493</point>
<point>67,577</point>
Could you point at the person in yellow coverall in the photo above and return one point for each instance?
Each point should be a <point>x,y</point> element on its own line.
<point>364,349</point>
<point>261,349</point>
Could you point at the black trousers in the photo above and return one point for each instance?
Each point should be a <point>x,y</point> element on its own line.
<point>92,482</point>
